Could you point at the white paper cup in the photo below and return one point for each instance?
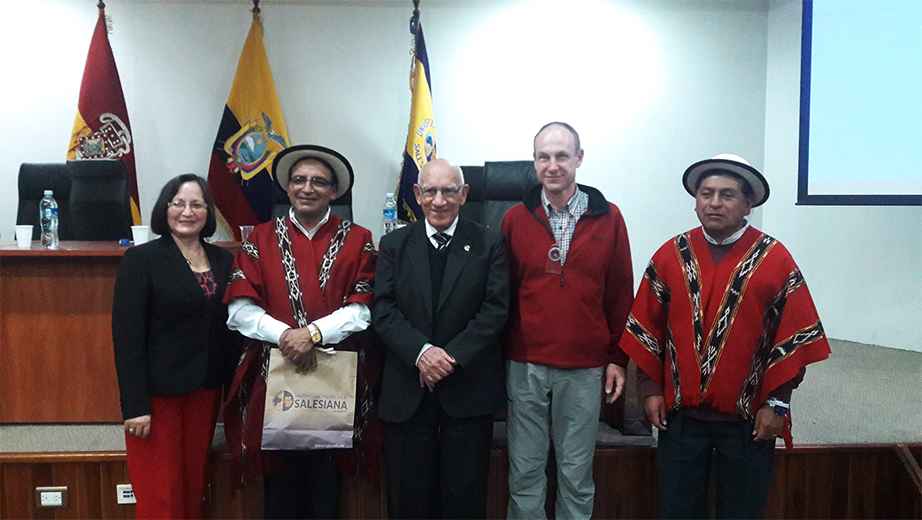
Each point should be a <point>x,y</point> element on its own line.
<point>140,234</point>
<point>24,236</point>
<point>245,232</point>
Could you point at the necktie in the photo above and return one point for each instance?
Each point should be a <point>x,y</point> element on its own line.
<point>442,240</point>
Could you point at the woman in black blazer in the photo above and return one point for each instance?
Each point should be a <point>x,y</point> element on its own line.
<point>172,350</point>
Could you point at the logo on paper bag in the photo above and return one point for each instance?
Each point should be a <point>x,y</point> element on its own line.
<point>285,401</point>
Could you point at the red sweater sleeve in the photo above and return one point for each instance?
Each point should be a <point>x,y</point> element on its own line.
<point>619,291</point>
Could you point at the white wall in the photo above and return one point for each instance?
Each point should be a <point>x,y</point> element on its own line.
<point>652,86</point>
<point>863,264</point>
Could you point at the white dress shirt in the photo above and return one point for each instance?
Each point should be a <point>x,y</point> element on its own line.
<point>730,239</point>
<point>431,232</point>
<point>251,320</point>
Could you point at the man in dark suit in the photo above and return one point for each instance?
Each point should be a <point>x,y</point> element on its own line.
<point>441,301</point>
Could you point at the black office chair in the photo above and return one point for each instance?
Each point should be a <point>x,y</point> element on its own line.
<point>473,207</point>
<point>100,199</point>
<point>34,179</point>
<point>494,188</point>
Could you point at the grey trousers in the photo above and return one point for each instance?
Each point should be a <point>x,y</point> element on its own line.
<point>556,405</point>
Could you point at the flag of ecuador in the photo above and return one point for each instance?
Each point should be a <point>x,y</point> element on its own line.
<point>251,133</point>
<point>101,128</point>
<point>421,141</point>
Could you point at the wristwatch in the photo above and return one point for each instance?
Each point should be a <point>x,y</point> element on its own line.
<point>316,337</point>
<point>778,406</point>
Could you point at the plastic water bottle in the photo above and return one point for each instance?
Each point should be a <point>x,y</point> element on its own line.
<point>390,213</point>
<point>48,216</point>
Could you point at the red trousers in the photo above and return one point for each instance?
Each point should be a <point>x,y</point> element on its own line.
<point>167,469</point>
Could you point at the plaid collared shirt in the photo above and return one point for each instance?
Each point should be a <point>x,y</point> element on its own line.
<point>563,222</point>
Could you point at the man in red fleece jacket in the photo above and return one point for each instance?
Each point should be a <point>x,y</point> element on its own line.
<point>572,285</point>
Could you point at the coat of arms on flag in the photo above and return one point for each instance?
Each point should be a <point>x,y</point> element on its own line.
<point>101,128</point>
<point>251,133</point>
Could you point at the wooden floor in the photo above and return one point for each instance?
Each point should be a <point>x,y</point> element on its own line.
<point>861,482</point>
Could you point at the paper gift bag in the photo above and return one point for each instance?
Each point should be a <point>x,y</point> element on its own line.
<point>310,411</point>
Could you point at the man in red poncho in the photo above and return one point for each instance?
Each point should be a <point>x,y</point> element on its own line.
<point>721,330</point>
<point>300,281</point>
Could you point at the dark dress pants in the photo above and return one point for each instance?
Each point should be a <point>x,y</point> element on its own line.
<point>305,486</point>
<point>437,465</point>
<point>743,468</point>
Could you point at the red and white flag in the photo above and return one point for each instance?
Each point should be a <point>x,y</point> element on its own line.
<point>101,128</point>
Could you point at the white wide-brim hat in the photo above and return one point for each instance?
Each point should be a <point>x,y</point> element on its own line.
<point>731,163</point>
<point>281,166</point>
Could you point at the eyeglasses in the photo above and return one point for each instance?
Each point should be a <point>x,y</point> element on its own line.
<point>448,192</point>
<point>182,205</point>
<point>317,182</point>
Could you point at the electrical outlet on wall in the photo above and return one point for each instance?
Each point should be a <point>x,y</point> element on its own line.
<point>51,496</point>
<point>124,494</point>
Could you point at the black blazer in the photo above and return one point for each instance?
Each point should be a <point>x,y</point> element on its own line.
<point>471,315</point>
<point>168,338</point>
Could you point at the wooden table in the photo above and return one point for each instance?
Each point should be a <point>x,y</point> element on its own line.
<point>56,362</point>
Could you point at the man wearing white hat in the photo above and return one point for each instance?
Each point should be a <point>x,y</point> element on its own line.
<point>299,281</point>
<point>721,330</point>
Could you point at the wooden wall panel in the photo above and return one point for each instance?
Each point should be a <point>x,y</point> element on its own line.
<point>888,476</point>
<point>359,499</point>
<point>498,488</point>
<point>910,502</point>
<point>81,501</point>
<point>625,483</point>
<point>812,482</point>
<point>843,482</point>
<point>223,501</point>
<point>90,489</point>
<point>16,486</point>
<point>56,340</point>
<point>863,475</point>
<point>112,474</point>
